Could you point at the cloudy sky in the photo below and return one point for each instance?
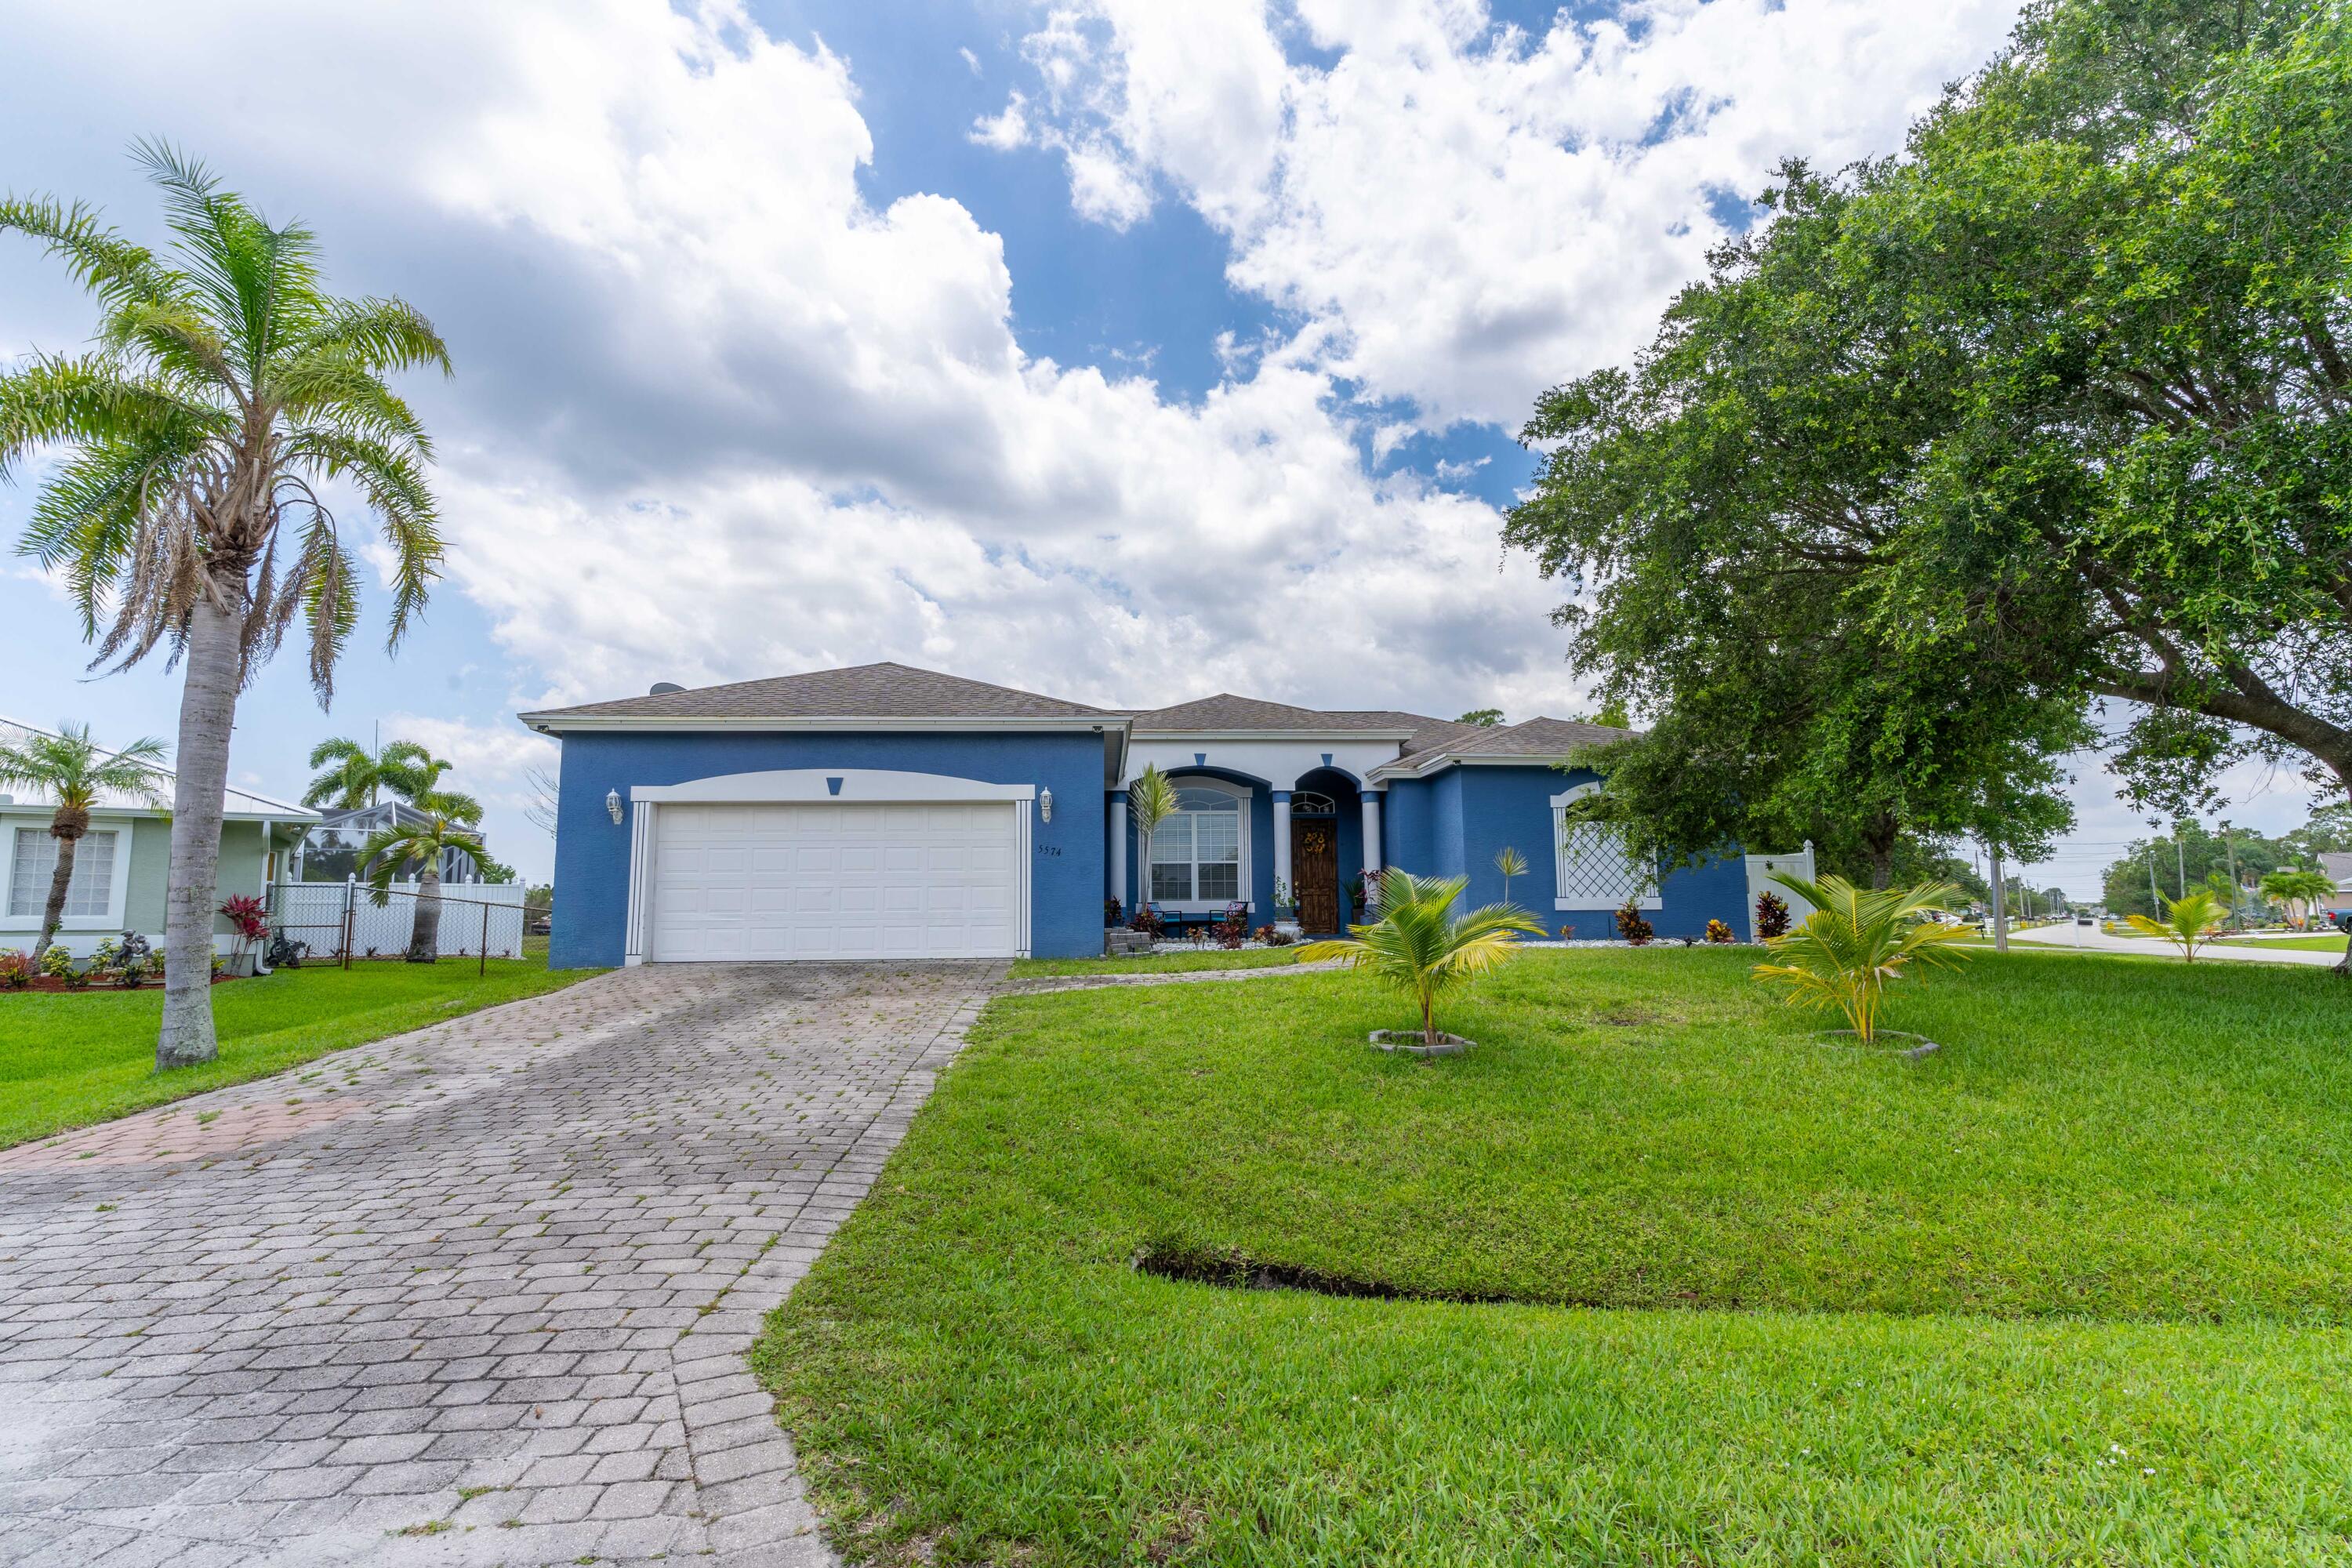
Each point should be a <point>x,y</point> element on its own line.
<point>1121,350</point>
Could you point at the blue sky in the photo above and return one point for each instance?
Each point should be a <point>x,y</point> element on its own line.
<point>1116,350</point>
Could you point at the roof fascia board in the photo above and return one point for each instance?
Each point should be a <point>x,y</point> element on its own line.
<point>555,723</point>
<point>1272,734</point>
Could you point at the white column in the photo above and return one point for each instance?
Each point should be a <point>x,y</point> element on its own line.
<point>1372,862</point>
<point>1118,849</point>
<point>1282,846</point>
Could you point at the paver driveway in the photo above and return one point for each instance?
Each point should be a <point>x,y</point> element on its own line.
<point>477,1294</point>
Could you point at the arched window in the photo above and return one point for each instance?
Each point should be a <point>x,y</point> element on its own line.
<point>1196,854</point>
<point>1312,803</point>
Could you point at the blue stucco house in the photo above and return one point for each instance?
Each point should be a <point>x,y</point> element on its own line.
<point>886,812</point>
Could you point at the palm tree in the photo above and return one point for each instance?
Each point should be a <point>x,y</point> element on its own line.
<point>1151,801</point>
<point>447,821</point>
<point>1511,863</point>
<point>1855,943</point>
<point>2300,889</point>
<point>70,766</point>
<point>1419,947</point>
<point>2189,922</point>
<point>225,386</point>
<point>351,776</point>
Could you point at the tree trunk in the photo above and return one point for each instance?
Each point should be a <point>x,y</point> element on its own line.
<point>424,934</point>
<point>213,667</point>
<point>53,914</point>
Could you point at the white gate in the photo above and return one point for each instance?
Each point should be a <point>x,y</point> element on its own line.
<point>474,916</point>
<point>1762,868</point>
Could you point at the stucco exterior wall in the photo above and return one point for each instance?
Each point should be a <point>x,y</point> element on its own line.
<point>592,855</point>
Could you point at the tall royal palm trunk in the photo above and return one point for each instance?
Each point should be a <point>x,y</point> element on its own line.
<point>424,935</point>
<point>67,828</point>
<point>208,712</point>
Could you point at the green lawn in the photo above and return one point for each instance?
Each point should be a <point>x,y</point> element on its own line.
<point>2321,944</point>
<point>68,1060</point>
<point>1156,963</point>
<point>2076,1288</point>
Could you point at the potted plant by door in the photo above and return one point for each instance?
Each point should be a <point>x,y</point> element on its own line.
<point>1286,910</point>
<point>248,923</point>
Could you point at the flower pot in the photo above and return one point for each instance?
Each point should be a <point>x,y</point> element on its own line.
<point>1409,1042</point>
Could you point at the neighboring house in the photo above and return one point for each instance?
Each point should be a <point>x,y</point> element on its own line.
<point>332,851</point>
<point>2339,868</point>
<point>886,812</point>
<point>121,867</point>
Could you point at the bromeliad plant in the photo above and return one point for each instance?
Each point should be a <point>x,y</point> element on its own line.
<point>1857,942</point>
<point>2189,922</point>
<point>1419,946</point>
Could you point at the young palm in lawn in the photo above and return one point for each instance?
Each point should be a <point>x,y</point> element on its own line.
<point>350,775</point>
<point>1419,946</point>
<point>1151,801</point>
<point>225,386</point>
<point>450,821</point>
<point>73,768</point>
<point>1857,942</point>
<point>2300,889</point>
<point>2189,922</point>
<point>1511,863</point>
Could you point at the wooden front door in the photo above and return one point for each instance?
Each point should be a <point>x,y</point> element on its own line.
<point>1314,873</point>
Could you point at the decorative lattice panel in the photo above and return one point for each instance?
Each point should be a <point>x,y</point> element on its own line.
<point>1591,867</point>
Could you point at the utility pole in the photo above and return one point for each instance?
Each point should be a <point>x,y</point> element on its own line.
<point>2155,899</point>
<point>2231,844</point>
<point>2180,858</point>
<point>2000,902</point>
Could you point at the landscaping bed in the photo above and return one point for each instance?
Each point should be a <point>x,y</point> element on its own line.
<point>1655,1273</point>
<point>69,1060</point>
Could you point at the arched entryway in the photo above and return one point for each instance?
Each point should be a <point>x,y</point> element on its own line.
<point>1325,849</point>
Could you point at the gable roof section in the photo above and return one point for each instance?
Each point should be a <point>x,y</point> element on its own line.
<point>857,695</point>
<point>235,803</point>
<point>1226,713</point>
<point>1537,739</point>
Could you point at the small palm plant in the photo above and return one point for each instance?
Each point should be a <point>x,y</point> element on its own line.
<point>1151,801</point>
<point>1419,946</point>
<point>1857,942</point>
<point>1511,863</point>
<point>71,769</point>
<point>2300,889</point>
<point>2189,922</point>
<point>448,821</point>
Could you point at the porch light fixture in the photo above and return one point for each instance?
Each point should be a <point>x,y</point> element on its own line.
<point>1045,805</point>
<point>612,805</point>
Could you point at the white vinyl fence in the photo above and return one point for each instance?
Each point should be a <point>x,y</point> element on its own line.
<point>475,917</point>
<point>1762,868</point>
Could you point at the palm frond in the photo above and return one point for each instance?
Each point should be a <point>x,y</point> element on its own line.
<point>86,520</point>
<point>393,483</point>
<point>1419,947</point>
<point>249,270</point>
<point>1856,942</point>
<point>91,398</point>
<point>380,335</point>
<point>110,267</point>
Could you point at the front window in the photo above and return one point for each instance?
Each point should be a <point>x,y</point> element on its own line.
<point>88,896</point>
<point>1196,854</point>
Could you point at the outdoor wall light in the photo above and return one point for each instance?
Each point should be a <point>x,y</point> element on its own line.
<point>1045,805</point>
<point>612,805</point>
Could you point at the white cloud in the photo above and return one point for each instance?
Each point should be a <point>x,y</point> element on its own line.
<point>499,753</point>
<point>969,60</point>
<point>1005,130</point>
<point>719,417</point>
<point>1478,213</point>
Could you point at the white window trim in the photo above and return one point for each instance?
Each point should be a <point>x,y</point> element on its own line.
<point>1243,798</point>
<point>116,896</point>
<point>835,786</point>
<point>1559,805</point>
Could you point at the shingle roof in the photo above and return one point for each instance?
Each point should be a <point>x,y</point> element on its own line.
<point>860,692</point>
<point>1227,711</point>
<point>1537,737</point>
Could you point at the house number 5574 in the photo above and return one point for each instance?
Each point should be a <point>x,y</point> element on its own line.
<point>1049,849</point>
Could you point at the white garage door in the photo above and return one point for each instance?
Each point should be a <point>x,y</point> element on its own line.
<point>835,881</point>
